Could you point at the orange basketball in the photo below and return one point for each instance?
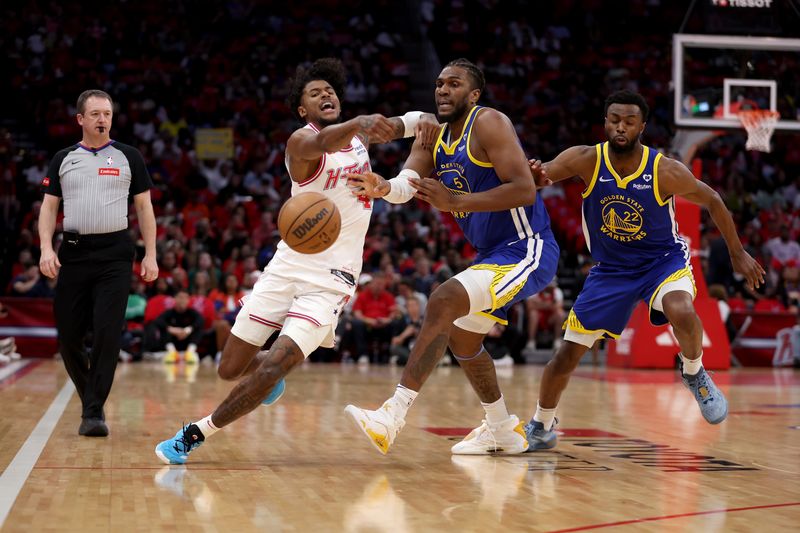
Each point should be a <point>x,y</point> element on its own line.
<point>309,222</point>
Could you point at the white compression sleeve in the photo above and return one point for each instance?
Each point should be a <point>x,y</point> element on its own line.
<point>410,121</point>
<point>401,191</point>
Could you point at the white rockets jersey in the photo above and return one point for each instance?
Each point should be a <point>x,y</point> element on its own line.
<point>339,266</point>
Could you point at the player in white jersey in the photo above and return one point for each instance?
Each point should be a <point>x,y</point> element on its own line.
<point>302,295</point>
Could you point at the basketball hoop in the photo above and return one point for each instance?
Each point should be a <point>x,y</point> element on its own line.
<point>760,124</point>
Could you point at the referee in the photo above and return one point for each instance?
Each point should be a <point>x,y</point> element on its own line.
<point>96,179</point>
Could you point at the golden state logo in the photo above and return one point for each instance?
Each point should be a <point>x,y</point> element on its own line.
<point>622,218</point>
<point>452,177</point>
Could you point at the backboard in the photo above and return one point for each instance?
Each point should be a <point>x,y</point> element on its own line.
<point>715,76</point>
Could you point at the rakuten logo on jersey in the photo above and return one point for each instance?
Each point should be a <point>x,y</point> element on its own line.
<point>742,3</point>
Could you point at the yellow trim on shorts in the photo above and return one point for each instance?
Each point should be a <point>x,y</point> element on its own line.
<point>675,276</point>
<point>588,190</point>
<point>572,323</point>
<point>500,271</point>
<point>496,319</point>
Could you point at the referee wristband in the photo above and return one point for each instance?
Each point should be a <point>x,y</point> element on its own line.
<point>401,190</point>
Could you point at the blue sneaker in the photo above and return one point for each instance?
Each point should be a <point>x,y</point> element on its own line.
<point>712,402</point>
<point>176,450</point>
<point>276,393</point>
<point>539,438</point>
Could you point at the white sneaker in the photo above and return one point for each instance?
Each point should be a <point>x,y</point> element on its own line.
<point>505,438</point>
<point>381,426</point>
<point>7,345</point>
<point>506,360</point>
<point>530,348</point>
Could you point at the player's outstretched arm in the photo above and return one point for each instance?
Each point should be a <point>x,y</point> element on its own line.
<point>309,145</point>
<point>674,179</point>
<point>574,161</point>
<point>397,190</point>
<point>422,126</point>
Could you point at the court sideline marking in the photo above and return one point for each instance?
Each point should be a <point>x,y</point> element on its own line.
<point>12,368</point>
<point>669,517</point>
<point>16,473</point>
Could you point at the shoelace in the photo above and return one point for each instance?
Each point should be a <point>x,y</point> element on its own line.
<point>185,441</point>
<point>484,429</point>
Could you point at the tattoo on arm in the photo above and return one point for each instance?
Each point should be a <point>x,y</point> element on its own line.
<point>419,368</point>
<point>399,127</point>
<point>249,393</point>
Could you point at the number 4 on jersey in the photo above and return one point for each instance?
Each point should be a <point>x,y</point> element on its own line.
<point>366,201</point>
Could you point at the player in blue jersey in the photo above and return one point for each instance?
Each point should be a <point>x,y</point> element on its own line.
<point>630,228</point>
<point>482,178</point>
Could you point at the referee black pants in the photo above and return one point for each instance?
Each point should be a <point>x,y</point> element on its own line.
<point>92,292</point>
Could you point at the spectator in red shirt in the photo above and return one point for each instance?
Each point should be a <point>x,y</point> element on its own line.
<point>373,312</point>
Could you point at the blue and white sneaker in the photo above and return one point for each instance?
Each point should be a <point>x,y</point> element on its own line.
<point>276,393</point>
<point>175,451</point>
<point>540,438</point>
<point>712,402</point>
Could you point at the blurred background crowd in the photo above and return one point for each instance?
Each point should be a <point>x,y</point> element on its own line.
<point>176,76</point>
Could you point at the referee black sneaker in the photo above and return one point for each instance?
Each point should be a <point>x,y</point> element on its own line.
<point>93,427</point>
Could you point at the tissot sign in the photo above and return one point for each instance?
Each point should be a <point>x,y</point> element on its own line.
<point>742,3</point>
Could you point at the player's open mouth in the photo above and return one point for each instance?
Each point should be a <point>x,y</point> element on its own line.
<point>327,106</point>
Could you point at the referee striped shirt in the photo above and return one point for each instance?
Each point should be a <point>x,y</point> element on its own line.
<point>96,185</point>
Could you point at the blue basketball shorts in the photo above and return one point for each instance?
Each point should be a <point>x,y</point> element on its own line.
<point>611,293</point>
<point>504,276</point>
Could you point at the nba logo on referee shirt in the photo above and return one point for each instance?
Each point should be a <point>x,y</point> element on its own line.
<point>108,171</point>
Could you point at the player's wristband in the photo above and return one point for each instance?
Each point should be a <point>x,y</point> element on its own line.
<point>410,121</point>
<point>401,190</point>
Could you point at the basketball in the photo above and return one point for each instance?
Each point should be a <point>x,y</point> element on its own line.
<point>309,222</point>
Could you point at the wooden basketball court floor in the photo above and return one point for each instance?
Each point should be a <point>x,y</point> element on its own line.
<point>634,455</point>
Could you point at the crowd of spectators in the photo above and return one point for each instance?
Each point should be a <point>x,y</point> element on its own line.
<point>172,72</point>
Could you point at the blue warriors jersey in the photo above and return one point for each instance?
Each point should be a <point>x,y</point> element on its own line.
<point>625,222</point>
<point>462,173</point>
<point>633,235</point>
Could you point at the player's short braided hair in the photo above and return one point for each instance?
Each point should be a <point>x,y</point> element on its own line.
<point>478,80</point>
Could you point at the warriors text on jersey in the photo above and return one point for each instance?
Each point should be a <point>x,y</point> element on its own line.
<point>625,222</point>
<point>462,173</point>
<point>339,266</point>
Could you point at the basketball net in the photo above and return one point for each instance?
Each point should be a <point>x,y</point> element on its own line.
<point>760,124</point>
